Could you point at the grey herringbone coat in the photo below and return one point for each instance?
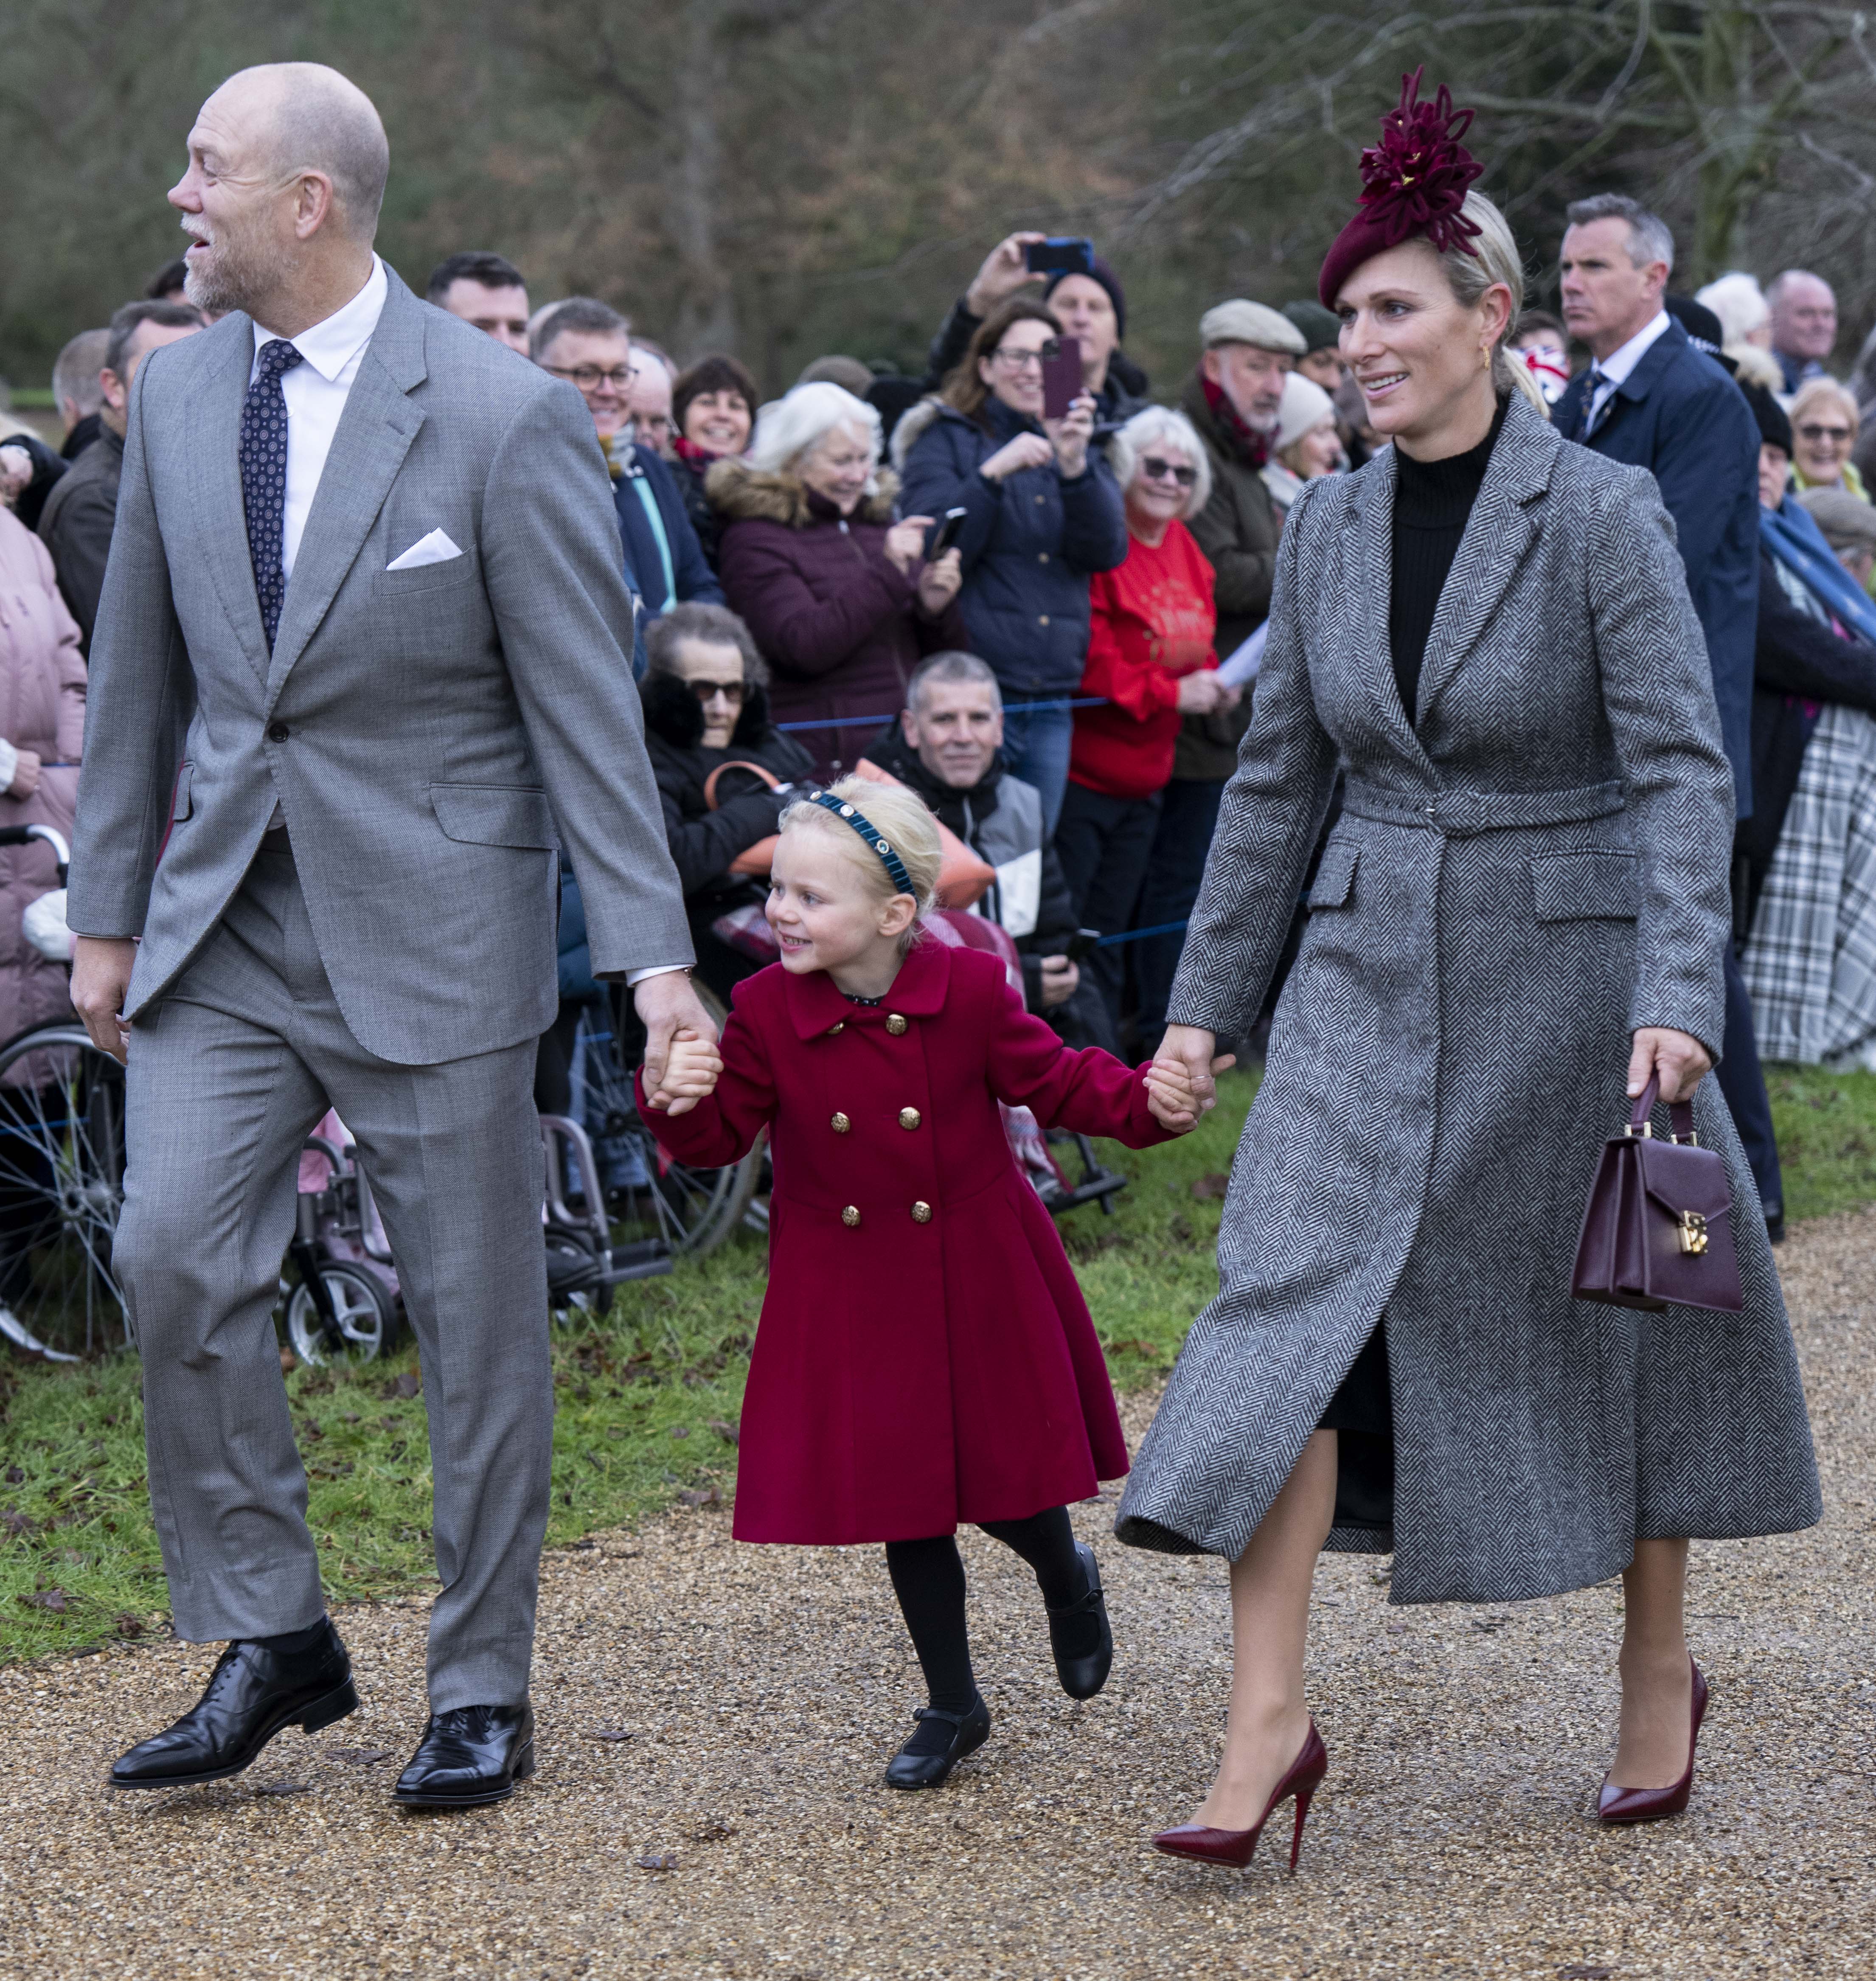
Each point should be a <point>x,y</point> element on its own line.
<point>1533,868</point>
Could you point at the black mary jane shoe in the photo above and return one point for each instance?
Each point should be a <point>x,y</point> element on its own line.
<point>1083,1673</point>
<point>252,1694</point>
<point>468,1756</point>
<point>969,1731</point>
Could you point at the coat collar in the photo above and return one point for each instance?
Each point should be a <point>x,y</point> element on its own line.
<point>1653,364</point>
<point>1500,529</point>
<point>816,1005</point>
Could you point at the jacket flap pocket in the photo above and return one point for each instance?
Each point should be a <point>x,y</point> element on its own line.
<point>1335,878</point>
<point>181,800</point>
<point>1577,886</point>
<point>1680,1178</point>
<point>495,814</point>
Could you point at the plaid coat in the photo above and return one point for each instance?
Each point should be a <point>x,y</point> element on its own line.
<point>1533,868</point>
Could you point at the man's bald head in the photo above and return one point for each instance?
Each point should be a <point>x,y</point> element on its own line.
<point>310,118</point>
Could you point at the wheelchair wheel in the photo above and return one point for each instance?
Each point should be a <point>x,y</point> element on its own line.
<point>62,1187</point>
<point>648,1195</point>
<point>361,1305</point>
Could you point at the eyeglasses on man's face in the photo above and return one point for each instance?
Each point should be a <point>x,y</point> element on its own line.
<point>706,691</point>
<point>1822,436</point>
<point>1155,469</point>
<point>590,377</point>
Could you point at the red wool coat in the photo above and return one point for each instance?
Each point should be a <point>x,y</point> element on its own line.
<point>924,1356</point>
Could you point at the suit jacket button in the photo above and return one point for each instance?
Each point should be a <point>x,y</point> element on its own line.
<point>895,1025</point>
<point>850,1216</point>
<point>839,1124</point>
<point>908,1117</point>
<point>277,732</point>
<point>833,1030</point>
<point>921,1213</point>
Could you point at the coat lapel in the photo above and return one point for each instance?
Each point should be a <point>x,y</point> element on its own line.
<point>374,433</point>
<point>1502,529</point>
<point>1372,528</point>
<point>214,452</point>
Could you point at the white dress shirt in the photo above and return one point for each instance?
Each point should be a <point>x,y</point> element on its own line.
<point>316,392</point>
<point>1615,368</point>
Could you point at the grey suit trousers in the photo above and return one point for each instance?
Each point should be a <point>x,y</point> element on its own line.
<point>228,1073</point>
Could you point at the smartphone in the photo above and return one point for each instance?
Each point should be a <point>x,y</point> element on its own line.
<point>944,534</point>
<point>1061,376</point>
<point>1080,943</point>
<point>1060,254</point>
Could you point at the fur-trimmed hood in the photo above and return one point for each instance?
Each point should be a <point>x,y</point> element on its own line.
<point>674,714</point>
<point>739,493</point>
<point>917,420</point>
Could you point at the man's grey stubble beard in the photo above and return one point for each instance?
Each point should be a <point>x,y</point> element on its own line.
<point>237,274</point>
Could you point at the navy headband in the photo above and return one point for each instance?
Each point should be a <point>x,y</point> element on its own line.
<point>870,832</point>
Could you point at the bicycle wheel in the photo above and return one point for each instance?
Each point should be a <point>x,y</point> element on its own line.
<point>61,1188</point>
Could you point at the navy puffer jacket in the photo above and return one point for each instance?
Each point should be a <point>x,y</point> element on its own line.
<point>1030,542</point>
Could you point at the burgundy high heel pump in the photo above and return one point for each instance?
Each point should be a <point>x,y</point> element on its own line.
<point>1208,1845</point>
<point>1615,1804</point>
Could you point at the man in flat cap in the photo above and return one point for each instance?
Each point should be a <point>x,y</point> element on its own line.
<point>1232,398</point>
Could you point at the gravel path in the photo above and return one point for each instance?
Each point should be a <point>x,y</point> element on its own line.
<point>761,1690</point>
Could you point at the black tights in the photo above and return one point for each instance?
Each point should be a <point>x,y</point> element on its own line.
<point>928,1578</point>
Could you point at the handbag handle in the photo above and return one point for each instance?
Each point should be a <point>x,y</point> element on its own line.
<point>1680,1114</point>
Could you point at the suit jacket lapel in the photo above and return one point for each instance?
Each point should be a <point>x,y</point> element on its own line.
<point>1502,529</point>
<point>374,433</point>
<point>214,449</point>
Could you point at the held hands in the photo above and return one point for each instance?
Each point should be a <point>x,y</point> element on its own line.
<point>1172,1096</point>
<point>691,1070</point>
<point>1678,1057</point>
<point>1185,1063</point>
<point>669,1007</point>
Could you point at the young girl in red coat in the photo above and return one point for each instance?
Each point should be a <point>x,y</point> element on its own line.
<point>924,1355</point>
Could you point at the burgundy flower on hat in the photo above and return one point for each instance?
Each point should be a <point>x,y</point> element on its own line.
<point>1413,185</point>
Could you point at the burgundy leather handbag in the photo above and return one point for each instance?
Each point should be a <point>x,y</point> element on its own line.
<point>1658,1226</point>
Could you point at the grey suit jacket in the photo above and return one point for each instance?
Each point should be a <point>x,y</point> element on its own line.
<point>424,731</point>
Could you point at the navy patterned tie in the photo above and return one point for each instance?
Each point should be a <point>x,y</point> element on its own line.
<point>1592,413</point>
<point>263,477</point>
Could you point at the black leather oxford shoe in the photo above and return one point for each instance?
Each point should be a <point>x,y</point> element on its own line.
<point>928,1758</point>
<point>252,1694</point>
<point>470,1755</point>
<point>1081,1636</point>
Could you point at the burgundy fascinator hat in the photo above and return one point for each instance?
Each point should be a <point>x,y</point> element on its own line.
<point>1413,184</point>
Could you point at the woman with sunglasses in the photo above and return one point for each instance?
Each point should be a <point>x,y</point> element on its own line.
<point>724,771</point>
<point>1824,421</point>
<point>1150,656</point>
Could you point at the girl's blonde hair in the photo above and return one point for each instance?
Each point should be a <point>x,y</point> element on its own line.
<point>900,816</point>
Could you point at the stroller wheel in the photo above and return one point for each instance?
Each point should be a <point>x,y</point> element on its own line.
<point>361,1305</point>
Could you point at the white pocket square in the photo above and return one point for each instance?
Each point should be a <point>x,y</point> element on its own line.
<point>435,549</point>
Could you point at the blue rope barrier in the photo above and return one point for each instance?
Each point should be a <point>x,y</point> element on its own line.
<point>879,721</point>
<point>1140,935</point>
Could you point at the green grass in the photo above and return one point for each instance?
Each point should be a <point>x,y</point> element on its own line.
<point>646,1402</point>
<point>647,1399</point>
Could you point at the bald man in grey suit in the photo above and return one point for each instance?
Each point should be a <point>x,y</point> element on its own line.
<point>362,664</point>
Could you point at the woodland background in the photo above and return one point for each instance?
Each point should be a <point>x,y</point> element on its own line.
<point>784,178</point>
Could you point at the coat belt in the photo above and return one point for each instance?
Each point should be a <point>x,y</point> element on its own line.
<point>1459,813</point>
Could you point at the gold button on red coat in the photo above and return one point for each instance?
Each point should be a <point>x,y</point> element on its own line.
<point>840,1123</point>
<point>921,1213</point>
<point>850,1216</point>
<point>895,1024</point>
<point>908,1117</point>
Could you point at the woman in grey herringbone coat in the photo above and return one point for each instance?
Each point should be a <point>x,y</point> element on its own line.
<point>1517,916</point>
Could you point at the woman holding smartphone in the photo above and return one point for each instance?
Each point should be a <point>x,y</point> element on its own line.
<point>1042,514</point>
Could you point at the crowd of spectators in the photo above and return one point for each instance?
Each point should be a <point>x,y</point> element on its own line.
<point>1044,619</point>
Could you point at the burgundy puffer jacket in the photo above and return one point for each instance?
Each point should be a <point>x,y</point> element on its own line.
<point>840,626</point>
<point>42,712</point>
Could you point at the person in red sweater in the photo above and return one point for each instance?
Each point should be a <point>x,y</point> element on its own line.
<point>1150,655</point>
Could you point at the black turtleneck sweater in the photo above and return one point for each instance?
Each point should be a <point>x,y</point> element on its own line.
<point>1432,501</point>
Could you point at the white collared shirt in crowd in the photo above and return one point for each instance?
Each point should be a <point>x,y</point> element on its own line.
<point>316,392</point>
<point>1615,368</point>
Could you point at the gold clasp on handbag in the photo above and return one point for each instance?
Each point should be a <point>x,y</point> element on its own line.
<point>1693,1232</point>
